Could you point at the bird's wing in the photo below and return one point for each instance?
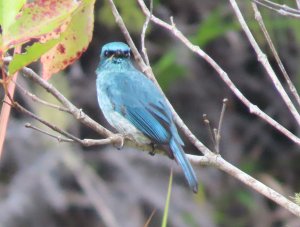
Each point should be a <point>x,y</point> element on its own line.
<point>139,101</point>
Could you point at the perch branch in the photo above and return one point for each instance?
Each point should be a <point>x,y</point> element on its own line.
<point>209,159</point>
<point>77,113</point>
<point>209,156</point>
<point>224,76</point>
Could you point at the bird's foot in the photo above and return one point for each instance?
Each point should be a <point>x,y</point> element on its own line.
<point>118,141</point>
<point>152,152</point>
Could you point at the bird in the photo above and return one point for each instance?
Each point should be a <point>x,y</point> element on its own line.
<point>133,105</point>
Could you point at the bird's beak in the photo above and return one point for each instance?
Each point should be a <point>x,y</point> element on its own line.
<point>111,57</point>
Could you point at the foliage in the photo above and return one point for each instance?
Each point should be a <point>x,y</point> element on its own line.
<point>49,29</point>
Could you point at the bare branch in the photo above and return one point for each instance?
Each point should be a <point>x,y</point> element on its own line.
<point>48,124</point>
<point>224,76</point>
<point>59,138</point>
<point>37,99</point>
<point>84,142</point>
<point>77,113</point>
<point>210,131</point>
<point>148,71</point>
<point>292,88</point>
<point>217,161</point>
<point>218,131</point>
<point>209,157</point>
<point>145,26</point>
<point>281,9</point>
<point>264,61</point>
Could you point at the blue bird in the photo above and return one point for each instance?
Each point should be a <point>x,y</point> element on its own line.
<point>134,106</point>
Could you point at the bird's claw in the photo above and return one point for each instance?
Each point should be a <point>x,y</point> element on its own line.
<point>153,145</point>
<point>118,141</point>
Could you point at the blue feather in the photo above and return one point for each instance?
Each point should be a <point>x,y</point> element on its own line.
<point>186,166</point>
<point>124,92</point>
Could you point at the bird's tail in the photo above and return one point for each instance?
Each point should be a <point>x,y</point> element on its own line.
<point>186,166</point>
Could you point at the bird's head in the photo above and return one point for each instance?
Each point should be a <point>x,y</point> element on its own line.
<point>115,52</point>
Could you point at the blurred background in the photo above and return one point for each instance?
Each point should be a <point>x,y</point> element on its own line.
<point>46,183</point>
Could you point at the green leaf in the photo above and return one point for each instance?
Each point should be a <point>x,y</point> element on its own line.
<point>73,41</point>
<point>37,19</point>
<point>33,53</point>
<point>166,210</point>
<point>8,12</point>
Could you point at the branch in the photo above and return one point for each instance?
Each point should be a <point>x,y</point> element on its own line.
<point>209,157</point>
<point>264,61</point>
<point>253,109</point>
<point>77,113</point>
<point>143,35</point>
<point>34,98</point>
<point>281,9</point>
<point>84,142</point>
<point>259,19</point>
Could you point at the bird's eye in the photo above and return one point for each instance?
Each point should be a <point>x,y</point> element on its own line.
<point>108,53</point>
<point>127,54</point>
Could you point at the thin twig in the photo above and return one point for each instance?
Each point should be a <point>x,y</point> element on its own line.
<point>218,131</point>
<point>210,131</point>
<point>259,19</point>
<point>84,142</point>
<point>224,76</point>
<point>137,57</point>
<point>222,115</point>
<point>77,113</point>
<point>148,71</point>
<point>115,139</point>
<point>143,35</point>
<point>37,99</point>
<point>209,157</point>
<point>48,124</point>
<point>281,9</point>
<point>59,138</point>
<point>264,61</point>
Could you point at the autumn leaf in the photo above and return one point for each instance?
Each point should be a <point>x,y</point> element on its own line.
<point>37,19</point>
<point>8,12</point>
<point>73,41</point>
